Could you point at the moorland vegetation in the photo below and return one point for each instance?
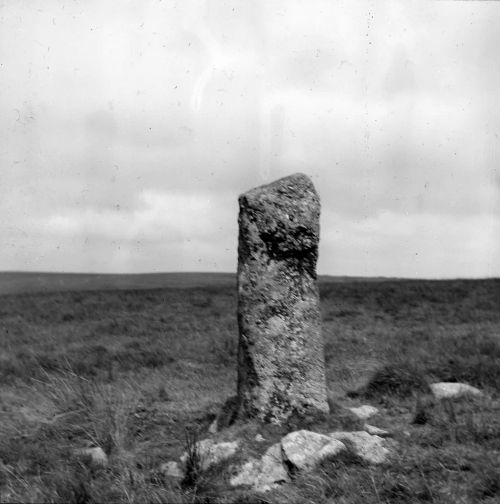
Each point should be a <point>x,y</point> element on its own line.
<point>142,373</point>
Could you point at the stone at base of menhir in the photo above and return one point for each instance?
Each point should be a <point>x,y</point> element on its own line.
<point>94,456</point>
<point>264,474</point>
<point>281,368</point>
<point>452,390</point>
<point>364,412</point>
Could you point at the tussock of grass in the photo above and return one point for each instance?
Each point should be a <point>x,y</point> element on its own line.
<point>102,413</point>
<point>423,406</point>
<point>473,359</point>
<point>465,420</point>
<point>401,380</point>
<point>487,484</point>
<point>87,361</point>
<point>193,467</point>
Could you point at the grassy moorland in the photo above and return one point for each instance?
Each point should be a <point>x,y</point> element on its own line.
<point>131,370</point>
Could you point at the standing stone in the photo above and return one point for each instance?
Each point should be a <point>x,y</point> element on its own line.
<point>281,369</point>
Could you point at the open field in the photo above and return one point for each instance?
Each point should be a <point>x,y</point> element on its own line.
<point>130,370</point>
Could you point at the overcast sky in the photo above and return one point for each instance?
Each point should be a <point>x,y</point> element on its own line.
<point>128,129</point>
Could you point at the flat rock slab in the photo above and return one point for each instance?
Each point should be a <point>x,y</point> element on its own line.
<point>370,448</point>
<point>451,390</point>
<point>331,449</point>
<point>305,449</point>
<point>281,368</point>
<point>364,412</point>
<point>264,474</point>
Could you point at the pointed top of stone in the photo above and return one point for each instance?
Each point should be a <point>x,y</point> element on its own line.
<point>284,216</point>
<point>291,199</point>
<point>296,183</point>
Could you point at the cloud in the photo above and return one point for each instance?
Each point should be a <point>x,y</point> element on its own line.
<point>128,134</point>
<point>156,215</point>
<point>182,230</point>
<point>423,246</point>
<point>425,162</point>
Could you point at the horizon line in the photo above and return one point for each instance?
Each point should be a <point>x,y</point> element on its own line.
<point>93,273</point>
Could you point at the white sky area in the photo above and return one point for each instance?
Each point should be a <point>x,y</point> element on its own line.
<point>128,130</point>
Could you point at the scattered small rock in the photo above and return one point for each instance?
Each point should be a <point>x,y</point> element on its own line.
<point>213,427</point>
<point>95,456</point>
<point>451,390</point>
<point>264,474</point>
<point>172,469</point>
<point>364,412</point>
<point>259,438</point>
<point>370,448</point>
<point>211,453</point>
<point>376,431</point>
<point>303,448</point>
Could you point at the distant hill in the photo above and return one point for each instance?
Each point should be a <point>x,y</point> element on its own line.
<point>27,282</point>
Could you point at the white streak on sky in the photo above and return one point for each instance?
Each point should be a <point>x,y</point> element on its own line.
<point>217,58</point>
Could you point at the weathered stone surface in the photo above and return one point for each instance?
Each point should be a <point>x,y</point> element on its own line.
<point>248,474</point>
<point>272,467</point>
<point>264,474</point>
<point>371,449</point>
<point>303,449</point>
<point>95,457</point>
<point>364,412</point>
<point>334,447</point>
<point>281,355</point>
<point>450,390</point>
<point>212,453</point>
<point>376,431</point>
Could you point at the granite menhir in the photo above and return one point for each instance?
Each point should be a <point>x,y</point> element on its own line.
<point>281,366</point>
